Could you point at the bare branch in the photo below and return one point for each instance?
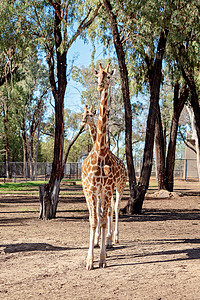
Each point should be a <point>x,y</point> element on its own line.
<point>186,143</point>
<point>83,25</point>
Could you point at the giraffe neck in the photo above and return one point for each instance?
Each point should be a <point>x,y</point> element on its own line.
<point>101,144</point>
<point>93,131</point>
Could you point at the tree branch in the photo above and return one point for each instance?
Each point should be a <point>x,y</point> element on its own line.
<point>84,24</point>
<point>56,10</point>
<point>69,147</point>
<point>186,143</point>
<point>8,75</point>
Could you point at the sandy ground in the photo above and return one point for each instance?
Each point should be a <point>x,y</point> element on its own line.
<point>158,256</point>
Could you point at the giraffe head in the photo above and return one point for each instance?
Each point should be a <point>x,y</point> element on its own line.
<point>104,77</point>
<point>88,115</point>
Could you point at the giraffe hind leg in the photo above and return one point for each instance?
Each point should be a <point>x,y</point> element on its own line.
<point>105,206</point>
<point>98,229</point>
<point>93,225</point>
<point>110,225</point>
<point>117,207</point>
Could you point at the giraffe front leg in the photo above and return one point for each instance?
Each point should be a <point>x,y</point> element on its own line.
<point>117,207</point>
<point>110,224</point>
<point>90,257</point>
<point>109,232</point>
<point>102,263</point>
<point>98,229</point>
<point>105,206</point>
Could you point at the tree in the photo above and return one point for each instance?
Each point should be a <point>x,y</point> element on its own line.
<point>54,24</point>
<point>112,18</point>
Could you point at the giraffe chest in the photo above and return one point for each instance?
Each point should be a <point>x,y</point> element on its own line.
<point>98,168</point>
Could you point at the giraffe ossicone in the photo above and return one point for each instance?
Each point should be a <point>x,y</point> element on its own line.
<point>100,173</point>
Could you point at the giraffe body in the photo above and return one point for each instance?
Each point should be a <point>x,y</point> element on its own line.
<point>120,176</point>
<point>99,175</point>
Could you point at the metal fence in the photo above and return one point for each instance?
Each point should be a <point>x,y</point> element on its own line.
<point>184,169</point>
<point>18,172</point>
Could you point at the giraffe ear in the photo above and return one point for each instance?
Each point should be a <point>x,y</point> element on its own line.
<point>111,73</point>
<point>95,72</point>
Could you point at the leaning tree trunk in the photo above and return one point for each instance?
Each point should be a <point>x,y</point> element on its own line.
<point>179,102</point>
<point>69,147</point>
<point>189,78</point>
<point>126,96</point>
<point>155,74</point>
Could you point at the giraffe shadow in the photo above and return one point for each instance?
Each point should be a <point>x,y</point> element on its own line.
<point>29,247</point>
<point>163,256</point>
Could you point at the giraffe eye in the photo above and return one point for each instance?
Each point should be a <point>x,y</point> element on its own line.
<point>108,77</point>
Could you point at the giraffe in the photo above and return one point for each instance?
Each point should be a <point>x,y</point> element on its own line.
<point>98,174</point>
<point>88,118</point>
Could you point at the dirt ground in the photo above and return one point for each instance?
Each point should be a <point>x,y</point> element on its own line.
<point>158,256</point>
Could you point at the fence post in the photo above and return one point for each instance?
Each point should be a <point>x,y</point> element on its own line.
<point>186,169</point>
<point>15,172</point>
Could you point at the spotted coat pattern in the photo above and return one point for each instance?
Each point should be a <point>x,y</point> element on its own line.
<point>120,182</point>
<point>99,173</point>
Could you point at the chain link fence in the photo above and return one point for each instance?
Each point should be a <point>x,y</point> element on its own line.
<point>184,169</point>
<point>17,171</point>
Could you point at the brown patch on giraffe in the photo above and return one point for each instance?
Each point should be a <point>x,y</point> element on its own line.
<point>96,170</point>
<point>99,124</point>
<point>98,179</point>
<point>93,160</point>
<point>109,181</point>
<point>106,170</point>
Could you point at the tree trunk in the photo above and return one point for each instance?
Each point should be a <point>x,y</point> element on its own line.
<point>24,140</point>
<point>160,151</point>
<point>126,96</point>
<point>155,74</point>
<point>58,86</point>
<point>36,149</point>
<point>51,191</point>
<point>187,75</point>
<point>6,138</point>
<point>31,156</point>
<point>170,161</point>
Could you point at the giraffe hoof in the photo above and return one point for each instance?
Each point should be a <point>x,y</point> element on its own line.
<point>96,246</point>
<point>109,246</point>
<point>89,265</point>
<point>116,238</point>
<point>102,263</point>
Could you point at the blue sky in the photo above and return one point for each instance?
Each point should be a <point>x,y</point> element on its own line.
<point>83,52</point>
